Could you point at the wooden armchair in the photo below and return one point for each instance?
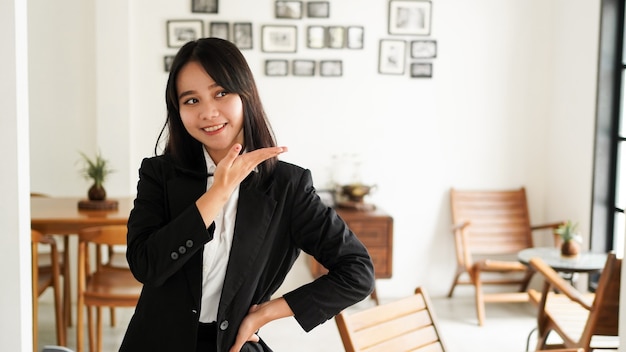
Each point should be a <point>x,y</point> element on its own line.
<point>408,324</point>
<point>490,228</point>
<point>101,285</point>
<point>574,316</point>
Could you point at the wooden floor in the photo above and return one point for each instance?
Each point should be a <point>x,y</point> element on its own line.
<point>506,330</point>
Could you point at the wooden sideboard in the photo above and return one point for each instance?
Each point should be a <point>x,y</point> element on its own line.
<point>375,229</point>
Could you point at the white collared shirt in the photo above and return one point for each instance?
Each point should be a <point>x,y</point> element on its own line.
<point>217,251</point>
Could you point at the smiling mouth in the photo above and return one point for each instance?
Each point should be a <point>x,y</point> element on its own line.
<point>214,128</point>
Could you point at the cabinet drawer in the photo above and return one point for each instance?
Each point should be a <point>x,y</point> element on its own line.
<point>371,233</point>
<point>382,262</point>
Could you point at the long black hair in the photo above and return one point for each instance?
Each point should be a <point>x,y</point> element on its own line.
<point>223,61</point>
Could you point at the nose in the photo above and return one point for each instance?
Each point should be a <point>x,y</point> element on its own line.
<point>209,110</point>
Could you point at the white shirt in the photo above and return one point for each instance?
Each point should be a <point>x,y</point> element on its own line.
<point>217,251</point>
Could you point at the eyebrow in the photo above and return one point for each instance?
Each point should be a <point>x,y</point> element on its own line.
<point>191,92</point>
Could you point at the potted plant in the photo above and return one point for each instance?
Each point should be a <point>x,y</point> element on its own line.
<point>97,170</point>
<point>570,238</point>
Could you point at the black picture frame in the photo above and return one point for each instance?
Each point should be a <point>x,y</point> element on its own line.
<point>180,32</point>
<point>410,17</point>
<point>318,9</point>
<point>392,56</point>
<point>336,37</point>
<point>303,67</point>
<point>288,9</point>
<point>276,67</point>
<point>167,62</point>
<point>242,35</point>
<point>423,49</point>
<point>219,29</point>
<point>316,37</point>
<point>204,6</point>
<point>355,37</point>
<point>279,39</point>
<point>421,69</point>
<point>331,68</point>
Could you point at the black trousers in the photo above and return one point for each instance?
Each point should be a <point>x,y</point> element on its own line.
<point>207,337</point>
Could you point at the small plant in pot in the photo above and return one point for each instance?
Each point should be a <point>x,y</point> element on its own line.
<point>570,238</point>
<point>97,170</point>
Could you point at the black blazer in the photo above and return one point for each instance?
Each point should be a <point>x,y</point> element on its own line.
<point>274,222</point>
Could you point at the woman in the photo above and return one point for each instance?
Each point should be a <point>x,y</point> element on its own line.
<point>218,221</point>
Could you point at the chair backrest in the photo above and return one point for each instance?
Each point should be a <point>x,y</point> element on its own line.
<point>408,324</point>
<point>499,222</point>
<point>604,316</point>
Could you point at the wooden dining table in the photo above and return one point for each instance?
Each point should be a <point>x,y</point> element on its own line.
<point>62,216</point>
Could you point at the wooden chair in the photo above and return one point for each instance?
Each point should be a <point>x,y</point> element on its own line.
<point>490,228</point>
<point>44,260</point>
<point>576,317</point>
<point>101,285</point>
<point>45,277</point>
<point>407,324</point>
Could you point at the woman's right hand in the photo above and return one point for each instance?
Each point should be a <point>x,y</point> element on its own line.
<point>229,173</point>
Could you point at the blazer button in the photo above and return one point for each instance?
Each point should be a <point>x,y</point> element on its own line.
<point>182,250</point>
<point>174,255</point>
<point>189,243</point>
<point>224,325</point>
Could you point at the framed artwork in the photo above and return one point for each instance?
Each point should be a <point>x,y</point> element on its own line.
<point>242,35</point>
<point>204,6</point>
<point>219,30</point>
<point>421,70</point>
<point>180,32</point>
<point>316,37</point>
<point>279,39</point>
<point>410,17</point>
<point>289,9</point>
<point>354,37</point>
<point>423,49</point>
<point>392,58</point>
<point>303,67</point>
<point>336,37</point>
<point>331,68</point>
<point>167,62</point>
<point>276,68</point>
<point>318,9</point>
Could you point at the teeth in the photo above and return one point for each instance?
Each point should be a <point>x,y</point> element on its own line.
<point>213,128</point>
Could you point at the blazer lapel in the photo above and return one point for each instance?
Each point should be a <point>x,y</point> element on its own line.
<point>254,215</point>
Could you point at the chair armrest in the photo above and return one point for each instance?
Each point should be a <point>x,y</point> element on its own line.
<point>555,280</point>
<point>459,227</point>
<point>552,225</point>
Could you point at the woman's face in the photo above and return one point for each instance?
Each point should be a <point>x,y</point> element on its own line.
<point>210,114</point>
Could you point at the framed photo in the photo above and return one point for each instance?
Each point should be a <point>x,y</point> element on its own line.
<point>410,17</point>
<point>279,39</point>
<point>219,30</point>
<point>204,6</point>
<point>289,9</point>
<point>336,37</point>
<point>318,9</point>
<point>316,37</point>
<point>180,32</point>
<point>303,67</point>
<point>167,62</point>
<point>421,70</point>
<point>331,68</point>
<point>392,56</point>
<point>421,49</point>
<point>276,68</point>
<point>242,35</point>
<point>354,37</point>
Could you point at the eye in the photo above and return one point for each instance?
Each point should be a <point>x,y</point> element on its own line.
<point>222,93</point>
<point>190,101</point>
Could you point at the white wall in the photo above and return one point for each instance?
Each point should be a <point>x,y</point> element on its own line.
<point>15,302</point>
<point>509,79</point>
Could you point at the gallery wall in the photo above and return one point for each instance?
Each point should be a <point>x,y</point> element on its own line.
<point>501,91</point>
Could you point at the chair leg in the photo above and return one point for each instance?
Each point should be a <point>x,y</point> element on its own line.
<point>92,338</point>
<point>480,301</point>
<point>80,334</point>
<point>35,316</point>
<point>99,328</point>
<point>459,271</point>
<point>112,314</point>
<point>67,290</point>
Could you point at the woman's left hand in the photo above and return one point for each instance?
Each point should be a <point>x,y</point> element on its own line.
<point>259,315</point>
<point>247,330</point>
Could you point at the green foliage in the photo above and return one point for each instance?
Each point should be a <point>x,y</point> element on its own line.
<point>568,231</point>
<point>96,169</point>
